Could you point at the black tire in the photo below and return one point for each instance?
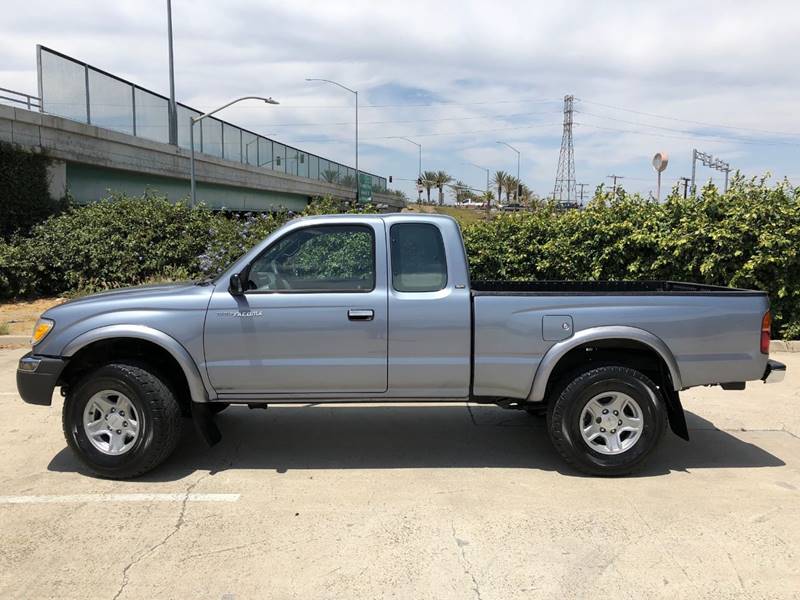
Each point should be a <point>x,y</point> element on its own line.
<point>566,408</point>
<point>151,398</point>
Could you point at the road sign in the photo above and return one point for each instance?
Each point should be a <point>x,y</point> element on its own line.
<point>365,188</point>
<point>660,162</point>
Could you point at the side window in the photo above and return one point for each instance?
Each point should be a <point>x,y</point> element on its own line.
<point>317,259</point>
<point>418,260</point>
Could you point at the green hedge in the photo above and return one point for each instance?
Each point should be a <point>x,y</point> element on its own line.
<point>748,237</point>
<point>127,241</point>
<point>24,191</point>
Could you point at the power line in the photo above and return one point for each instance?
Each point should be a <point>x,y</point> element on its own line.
<point>704,123</point>
<point>425,104</point>
<point>476,118</point>
<point>683,131</point>
<point>690,137</point>
<point>436,134</point>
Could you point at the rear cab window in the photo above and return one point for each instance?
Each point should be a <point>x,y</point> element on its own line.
<point>418,258</point>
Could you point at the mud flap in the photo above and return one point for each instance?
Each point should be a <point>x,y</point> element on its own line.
<point>204,423</point>
<point>677,420</point>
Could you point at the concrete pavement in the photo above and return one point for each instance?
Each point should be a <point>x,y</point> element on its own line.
<point>438,501</point>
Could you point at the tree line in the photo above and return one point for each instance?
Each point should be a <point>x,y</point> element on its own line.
<point>515,191</point>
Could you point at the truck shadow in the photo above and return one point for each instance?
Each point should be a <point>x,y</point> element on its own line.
<point>435,436</point>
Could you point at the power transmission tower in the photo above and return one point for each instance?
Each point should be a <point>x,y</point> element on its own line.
<point>614,177</point>
<point>564,190</point>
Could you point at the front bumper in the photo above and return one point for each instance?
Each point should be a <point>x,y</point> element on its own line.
<point>774,372</point>
<point>37,377</point>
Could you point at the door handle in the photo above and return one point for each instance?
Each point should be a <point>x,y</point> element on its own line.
<point>365,314</point>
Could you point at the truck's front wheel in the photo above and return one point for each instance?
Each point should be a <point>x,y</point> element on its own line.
<point>607,420</point>
<point>121,420</point>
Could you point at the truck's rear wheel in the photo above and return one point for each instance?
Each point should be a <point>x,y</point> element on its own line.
<point>607,420</point>
<point>121,420</point>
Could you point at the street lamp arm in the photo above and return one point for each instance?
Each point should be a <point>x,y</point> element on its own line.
<point>476,166</point>
<point>510,146</point>
<point>482,169</point>
<point>344,87</point>
<point>216,110</point>
<point>399,137</point>
<point>193,120</point>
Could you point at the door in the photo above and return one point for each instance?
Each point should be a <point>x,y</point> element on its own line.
<point>429,302</point>
<point>313,319</point>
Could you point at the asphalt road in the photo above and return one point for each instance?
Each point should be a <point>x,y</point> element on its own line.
<point>408,502</point>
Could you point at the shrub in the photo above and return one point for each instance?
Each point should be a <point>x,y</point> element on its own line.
<point>748,237</point>
<point>24,190</point>
<point>128,241</point>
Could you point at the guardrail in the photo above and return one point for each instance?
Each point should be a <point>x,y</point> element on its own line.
<point>29,101</point>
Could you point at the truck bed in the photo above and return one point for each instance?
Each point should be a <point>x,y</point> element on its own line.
<point>644,287</point>
<point>713,332</point>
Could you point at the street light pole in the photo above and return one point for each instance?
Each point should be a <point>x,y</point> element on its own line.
<point>518,161</point>
<point>193,120</point>
<point>173,107</point>
<point>482,169</point>
<point>419,172</point>
<point>344,87</point>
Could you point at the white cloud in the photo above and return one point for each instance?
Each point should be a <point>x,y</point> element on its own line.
<point>718,62</point>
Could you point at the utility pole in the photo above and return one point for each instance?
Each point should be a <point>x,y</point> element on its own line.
<point>685,181</point>
<point>581,185</point>
<point>173,107</point>
<point>516,194</point>
<point>564,189</point>
<point>614,177</point>
<point>344,87</point>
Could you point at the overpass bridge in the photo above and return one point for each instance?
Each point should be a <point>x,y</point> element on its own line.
<point>103,134</point>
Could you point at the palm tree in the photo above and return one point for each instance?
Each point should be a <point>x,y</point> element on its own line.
<point>511,188</point>
<point>461,190</point>
<point>428,181</point>
<point>330,175</point>
<point>499,180</point>
<point>487,198</point>
<point>442,179</point>
<point>526,195</point>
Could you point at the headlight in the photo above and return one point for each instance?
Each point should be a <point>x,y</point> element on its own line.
<point>40,330</point>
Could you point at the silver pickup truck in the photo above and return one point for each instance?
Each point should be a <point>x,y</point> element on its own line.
<point>380,308</point>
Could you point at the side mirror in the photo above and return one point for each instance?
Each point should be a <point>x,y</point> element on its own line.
<point>236,287</point>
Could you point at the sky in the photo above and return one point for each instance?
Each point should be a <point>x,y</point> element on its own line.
<point>457,76</point>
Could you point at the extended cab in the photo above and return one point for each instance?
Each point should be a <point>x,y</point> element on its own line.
<point>380,308</point>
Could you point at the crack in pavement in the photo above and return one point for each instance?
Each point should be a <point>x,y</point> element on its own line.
<point>178,525</point>
<point>467,565</point>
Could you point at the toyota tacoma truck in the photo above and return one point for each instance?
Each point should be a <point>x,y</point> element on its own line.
<point>380,308</point>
